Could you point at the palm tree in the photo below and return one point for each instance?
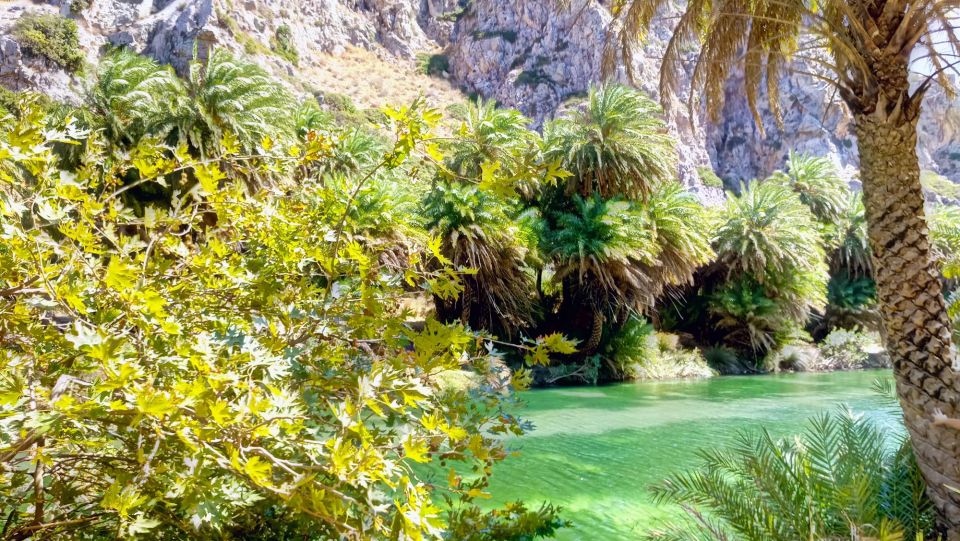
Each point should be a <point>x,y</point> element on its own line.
<point>682,233</point>
<point>816,180</point>
<point>614,258</point>
<point>852,292</point>
<point>237,97</point>
<point>771,266</point>
<point>475,223</point>
<point>599,251</point>
<point>132,96</point>
<point>473,226</point>
<point>489,134</point>
<point>616,144</point>
<point>864,49</point>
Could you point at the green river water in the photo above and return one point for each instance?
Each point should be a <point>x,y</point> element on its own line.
<point>596,450</point>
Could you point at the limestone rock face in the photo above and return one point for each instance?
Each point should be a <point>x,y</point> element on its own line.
<point>524,54</point>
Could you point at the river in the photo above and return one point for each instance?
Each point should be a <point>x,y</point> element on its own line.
<point>596,450</point>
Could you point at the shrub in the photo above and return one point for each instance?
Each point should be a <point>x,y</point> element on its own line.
<point>726,360</point>
<point>506,35</point>
<point>939,185</point>
<point>78,6</point>
<point>845,477</point>
<point>283,44</point>
<point>532,77</point>
<point>845,349</point>
<point>50,36</point>
<point>435,65</point>
<point>639,353</point>
<point>634,344</point>
<point>709,178</point>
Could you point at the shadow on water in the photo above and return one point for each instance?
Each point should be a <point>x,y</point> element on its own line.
<point>596,450</point>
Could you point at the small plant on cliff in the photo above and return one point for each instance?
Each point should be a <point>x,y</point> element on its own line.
<point>50,36</point>
<point>283,45</point>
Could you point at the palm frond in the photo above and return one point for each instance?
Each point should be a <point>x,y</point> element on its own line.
<point>238,97</point>
<point>818,183</point>
<point>769,233</point>
<point>471,224</point>
<point>616,145</point>
<point>133,96</point>
<point>844,476</point>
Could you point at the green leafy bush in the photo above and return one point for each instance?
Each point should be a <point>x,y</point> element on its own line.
<point>640,353</point>
<point>845,349</point>
<point>435,65</point>
<point>79,6</point>
<point>939,185</point>
<point>50,36</point>
<point>709,178</point>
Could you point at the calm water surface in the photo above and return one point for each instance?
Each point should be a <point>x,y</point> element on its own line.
<point>596,450</point>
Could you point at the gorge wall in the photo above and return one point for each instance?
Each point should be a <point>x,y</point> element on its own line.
<point>525,54</point>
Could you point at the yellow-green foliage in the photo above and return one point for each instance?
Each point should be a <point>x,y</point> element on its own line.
<point>939,184</point>
<point>709,177</point>
<point>222,357</point>
<point>50,36</point>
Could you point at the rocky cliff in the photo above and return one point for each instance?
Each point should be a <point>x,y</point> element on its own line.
<point>525,54</point>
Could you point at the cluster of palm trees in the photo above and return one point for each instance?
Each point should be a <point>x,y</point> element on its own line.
<point>612,239</point>
<point>580,255</point>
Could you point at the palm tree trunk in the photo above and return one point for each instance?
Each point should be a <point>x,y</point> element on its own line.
<point>915,323</point>
<point>596,333</point>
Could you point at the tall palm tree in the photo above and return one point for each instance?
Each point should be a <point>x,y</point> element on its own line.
<point>616,144</point>
<point>615,257</point>
<point>864,49</point>
<point>132,96</point>
<point>599,250</point>
<point>236,96</point>
<point>772,266</point>
<point>474,223</point>
<point>475,231</point>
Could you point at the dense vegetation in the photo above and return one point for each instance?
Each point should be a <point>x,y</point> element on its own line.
<point>51,37</point>
<point>203,333</point>
<point>844,478</point>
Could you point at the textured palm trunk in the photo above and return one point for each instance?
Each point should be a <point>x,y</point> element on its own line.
<point>596,333</point>
<point>916,326</point>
